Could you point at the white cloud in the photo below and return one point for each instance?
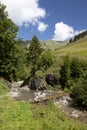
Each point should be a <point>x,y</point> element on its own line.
<point>25,12</point>
<point>63,32</point>
<point>42,27</point>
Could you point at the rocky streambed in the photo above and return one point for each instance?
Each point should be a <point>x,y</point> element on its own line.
<point>61,100</point>
<point>65,103</point>
<point>33,96</point>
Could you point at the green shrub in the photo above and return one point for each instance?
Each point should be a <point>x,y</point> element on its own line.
<point>76,68</point>
<point>79,91</point>
<point>45,60</point>
<point>71,71</point>
<point>73,75</point>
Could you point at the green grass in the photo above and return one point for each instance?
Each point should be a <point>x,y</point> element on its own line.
<point>3,88</point>
<point>24,116</point>
<point>78,49</point>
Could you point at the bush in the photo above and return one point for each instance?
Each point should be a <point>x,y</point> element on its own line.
<point>76,69</point>
<point>45,60</point>
<point>79,92</point>
<point>73,75</point>
<point>71,71</point>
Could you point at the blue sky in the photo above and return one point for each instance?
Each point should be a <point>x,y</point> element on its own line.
<point>48,19</point>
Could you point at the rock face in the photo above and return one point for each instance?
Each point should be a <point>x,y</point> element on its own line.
<point>51,79</point>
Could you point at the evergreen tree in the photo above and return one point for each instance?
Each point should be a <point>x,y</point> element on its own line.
<point>76,69</point>
<point>34,51</point>
<point>8,33</point>
<point>19,63</point>
<point>65,73</point>
<point>33,54</point>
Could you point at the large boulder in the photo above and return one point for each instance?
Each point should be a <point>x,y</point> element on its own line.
<point>37,83</point>
<point>51,79</point>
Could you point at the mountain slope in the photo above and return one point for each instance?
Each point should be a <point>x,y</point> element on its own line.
<point>78,48</point>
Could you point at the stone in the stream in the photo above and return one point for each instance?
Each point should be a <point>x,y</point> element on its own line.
<point>63,101</point>
<point>17,84</point>
<point>37,83</point>
<point>25,88</point>
<point>75,114</point>
<point>51,79</point>
<point>39,96</point>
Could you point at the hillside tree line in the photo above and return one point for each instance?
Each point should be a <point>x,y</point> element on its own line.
<point>78,36</point>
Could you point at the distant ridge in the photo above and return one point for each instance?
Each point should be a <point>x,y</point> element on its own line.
<point>47,44</point>
<point>52,45</point>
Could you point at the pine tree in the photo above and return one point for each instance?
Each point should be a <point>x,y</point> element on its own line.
<point>33,54</point>
<point>34,50</point>
<point>8,33</point>
<point>65,73</point>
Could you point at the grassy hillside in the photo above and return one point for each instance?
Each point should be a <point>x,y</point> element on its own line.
<point>59,50</point>
<point>78,49</point>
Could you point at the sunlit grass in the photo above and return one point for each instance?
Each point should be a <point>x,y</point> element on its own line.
<point>24,116</point>
<point>76,49</point>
